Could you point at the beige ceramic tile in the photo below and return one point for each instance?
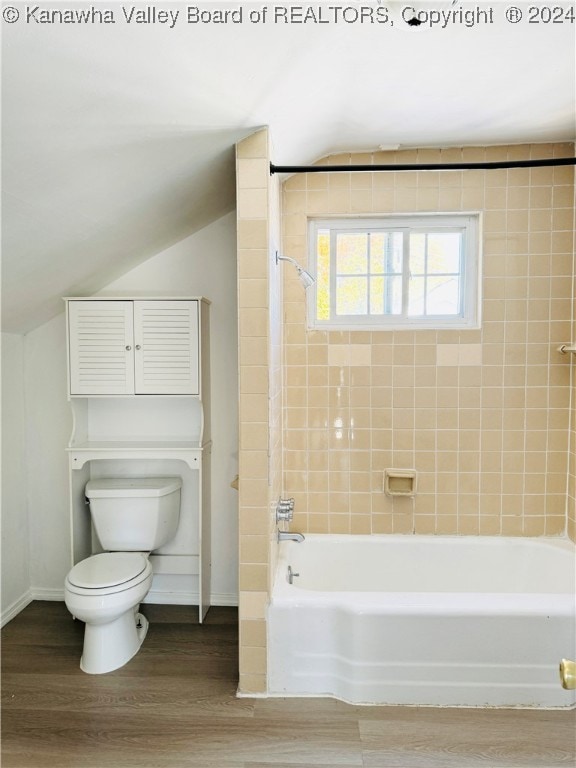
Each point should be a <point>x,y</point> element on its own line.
<point>253,577</point>
<point>252,684</point>
<point>254,146</point>
<point>253,634</point>
<point>252,605</point>
<point>252,173</point>
<point>253,660</point>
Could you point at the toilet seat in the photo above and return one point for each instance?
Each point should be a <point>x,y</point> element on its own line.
<point>108,573</point>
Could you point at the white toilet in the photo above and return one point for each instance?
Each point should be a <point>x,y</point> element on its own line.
<point>132,517</point>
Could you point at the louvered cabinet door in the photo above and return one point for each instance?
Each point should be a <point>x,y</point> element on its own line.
<point>101,347</point>
<point>166,347</point>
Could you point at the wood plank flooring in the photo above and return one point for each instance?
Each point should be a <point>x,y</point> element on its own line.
<point>175,706</point>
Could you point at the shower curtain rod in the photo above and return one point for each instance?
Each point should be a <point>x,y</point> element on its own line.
<point>422,166</point>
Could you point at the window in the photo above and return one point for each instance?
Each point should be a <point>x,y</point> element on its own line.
<point>415,271</point>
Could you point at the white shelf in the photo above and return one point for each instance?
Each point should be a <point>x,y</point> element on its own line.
<point>138,445</point>
<point>188,451</point>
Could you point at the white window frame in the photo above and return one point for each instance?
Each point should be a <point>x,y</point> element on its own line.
<point>468,222</point>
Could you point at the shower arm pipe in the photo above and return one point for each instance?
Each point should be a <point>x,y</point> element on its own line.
<point>499,164</point>
<point>287,258</point>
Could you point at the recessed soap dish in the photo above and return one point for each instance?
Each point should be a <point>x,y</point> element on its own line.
<point>400,482</point>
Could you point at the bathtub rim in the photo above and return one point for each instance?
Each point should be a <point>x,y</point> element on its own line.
<point>456,603</point>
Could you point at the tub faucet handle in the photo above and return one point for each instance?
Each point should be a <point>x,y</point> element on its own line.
<point>284,510</point>
<point>291,575</point>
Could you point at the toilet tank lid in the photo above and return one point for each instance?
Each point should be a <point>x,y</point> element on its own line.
<point>131,487</point>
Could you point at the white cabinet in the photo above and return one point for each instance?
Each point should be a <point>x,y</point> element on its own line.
<point>139,391</point>
<point>133,347</point>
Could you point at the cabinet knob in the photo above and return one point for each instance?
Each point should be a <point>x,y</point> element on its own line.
<point>137,346</point>
<point>128,348</point>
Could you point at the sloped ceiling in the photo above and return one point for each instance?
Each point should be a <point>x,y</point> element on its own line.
<point>118,139</point>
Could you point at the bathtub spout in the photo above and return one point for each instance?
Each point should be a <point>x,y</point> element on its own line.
<point>288,536</point>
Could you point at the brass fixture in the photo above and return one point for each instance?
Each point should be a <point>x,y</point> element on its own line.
<point>568,674</point>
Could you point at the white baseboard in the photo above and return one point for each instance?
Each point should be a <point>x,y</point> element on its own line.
<point>39,593</point>
<point>17,606</point>
<point>225,599</point>
<point>154,596</point>
<point>159,597</point>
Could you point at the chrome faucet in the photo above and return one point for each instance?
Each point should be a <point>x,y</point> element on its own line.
<point>288,536</point>
<point>284,514</point>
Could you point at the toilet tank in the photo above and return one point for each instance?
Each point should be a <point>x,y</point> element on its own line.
<point>134,513</point>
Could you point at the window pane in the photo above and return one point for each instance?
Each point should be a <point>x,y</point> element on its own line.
<point>386,295</point>
<point>376,295</point>
<point>416,296</point>
<point>418,254</point>
<point>351,296</point>
<point>444,252</point>
<point>352,254</point>
<point>443,296</point>
<point>386,252</point>
<point>323,275</point>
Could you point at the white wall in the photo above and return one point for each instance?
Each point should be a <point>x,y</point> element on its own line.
<point>48,429</point>
<point>15,551</point>
<point>203,264</point>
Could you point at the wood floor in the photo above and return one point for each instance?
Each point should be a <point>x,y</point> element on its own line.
<point>174,706</point>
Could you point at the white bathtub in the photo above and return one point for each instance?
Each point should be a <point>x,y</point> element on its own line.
<point>424,620</point>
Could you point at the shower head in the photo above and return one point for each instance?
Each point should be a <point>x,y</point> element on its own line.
<point>305,277</point>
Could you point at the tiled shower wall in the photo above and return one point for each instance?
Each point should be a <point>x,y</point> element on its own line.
<point>260,407</point>
<point>482,415</point>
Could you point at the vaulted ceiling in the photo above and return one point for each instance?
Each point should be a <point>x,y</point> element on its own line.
<point>118,138</point>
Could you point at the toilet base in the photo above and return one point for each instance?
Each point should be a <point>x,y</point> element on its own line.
<point>110,646</point>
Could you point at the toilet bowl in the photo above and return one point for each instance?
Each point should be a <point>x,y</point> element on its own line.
<point>131,517</point>
<point>105,592</point>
